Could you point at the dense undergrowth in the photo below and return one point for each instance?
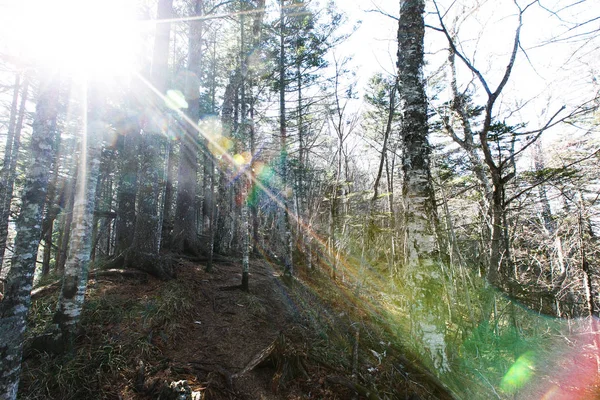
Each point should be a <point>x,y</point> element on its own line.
<point>117,329</point>
<point>358,334</point>
<point>482,343</point>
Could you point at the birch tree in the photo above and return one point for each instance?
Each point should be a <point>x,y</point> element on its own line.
<point>417,190</point>
<point>17,299</point>
<point>419,201</point>
<point>77,264</point>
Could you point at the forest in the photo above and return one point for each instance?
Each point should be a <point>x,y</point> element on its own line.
<point>293,199</point>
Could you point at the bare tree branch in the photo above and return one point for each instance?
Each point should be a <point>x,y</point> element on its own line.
<point>540,132</point>
<point>551,176</point>
<point>458,53</point>
<point>379,11</point>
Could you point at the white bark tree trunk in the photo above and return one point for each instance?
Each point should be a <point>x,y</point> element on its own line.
<point>17,299</point>
<point>77,264</point>
<point>419,202</point>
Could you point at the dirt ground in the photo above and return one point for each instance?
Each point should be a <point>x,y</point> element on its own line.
<point>228,329</point>
<point>284,339</point>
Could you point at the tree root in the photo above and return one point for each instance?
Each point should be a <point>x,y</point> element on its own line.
<point>96,273</point>
<point>288,360</point>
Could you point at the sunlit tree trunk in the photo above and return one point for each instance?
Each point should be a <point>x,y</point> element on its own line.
<point>62,244</point>
<point>11,155</point>
<point>222,233</point>
<point>371,225</point>
<point>247,135</point>
<point>76,270</point>
<point>243,132</point>
<point>144,252</point>
<point>389,171</point>
<point>419,202</point>
<point>287,231</point>
<point>17,298</point>
<point>186,222</point>
<point>52,209</point>
<point>418,191</point>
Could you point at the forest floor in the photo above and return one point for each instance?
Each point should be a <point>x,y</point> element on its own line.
<point>306,337</point>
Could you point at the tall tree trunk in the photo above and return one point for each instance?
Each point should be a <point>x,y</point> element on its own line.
<point>300,170</point>
<point>287,231</point>
<point>247,135</point>
<point>418,193</point>
<point>419,202</point>
<point>227,121</point>
<point>17,299</point>
<point>167,223</point>
<point>256,40</point>
<point>392,222</point>
<point>186,222</point>
<point>67,217</point>
<point>210,161</point>
<point>255,190</point>
<point>371,227</point>
<point>77,266</point>
<point>52,210</point>
<point>244,172</point>
<point>497,241</point>
<point>9,167</point>
<point>126,196</point>
<point>144,252</point>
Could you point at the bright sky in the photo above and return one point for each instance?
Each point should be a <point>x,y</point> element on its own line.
<point>549,76</point>
<point>72,35</point>
<point>374,44</point>
<point>98,36</point>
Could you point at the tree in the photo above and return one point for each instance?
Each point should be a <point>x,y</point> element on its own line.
<point>420,216</point>
<point>144,251</point>
<point>17,299</point>
<point>381,119</point>
<point>286,226</point>
<point>342,126</point>
<point>11,153</point>
<point>185,225</point>
<point>417,190</point>
<point>497,140</point>
<point>75,275</point>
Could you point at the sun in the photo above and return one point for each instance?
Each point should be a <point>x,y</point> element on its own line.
<point>96,37</point>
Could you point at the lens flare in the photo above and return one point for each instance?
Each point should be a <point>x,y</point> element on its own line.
<point>519,373</point>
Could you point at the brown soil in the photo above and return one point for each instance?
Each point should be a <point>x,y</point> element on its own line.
<point>228,329</point>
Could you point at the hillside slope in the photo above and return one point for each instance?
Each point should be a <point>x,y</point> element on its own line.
<point>285,339</point>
